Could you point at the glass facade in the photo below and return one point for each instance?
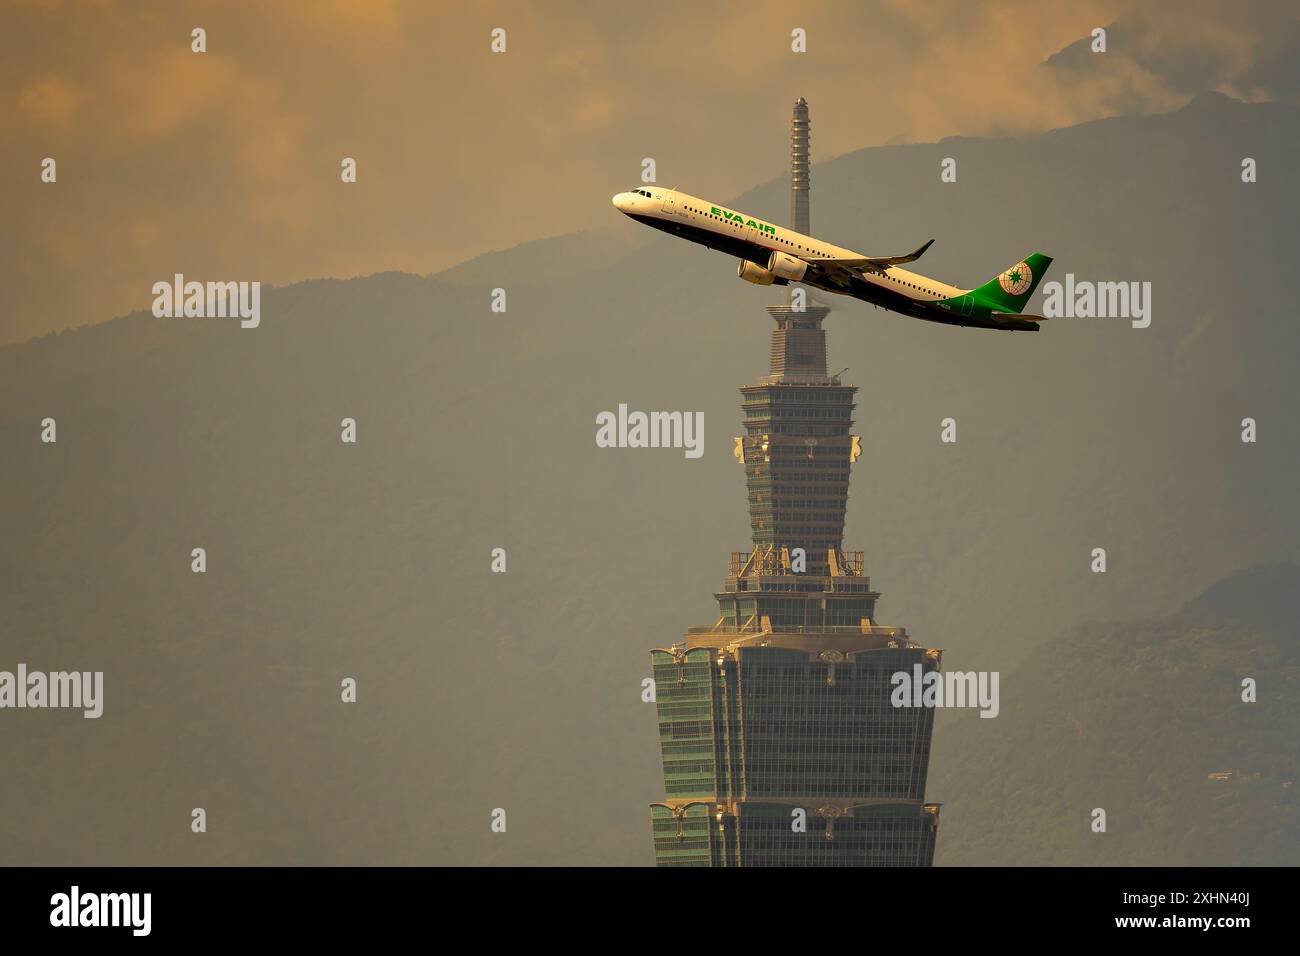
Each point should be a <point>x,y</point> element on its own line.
<point>773,722</point>
<point>797,452</point>
<point>766,834</point>
<point>780,744</point>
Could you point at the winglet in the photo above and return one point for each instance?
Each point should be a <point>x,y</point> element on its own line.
<point>919,252</point>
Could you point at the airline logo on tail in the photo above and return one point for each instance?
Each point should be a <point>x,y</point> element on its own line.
<point>1017,280</point>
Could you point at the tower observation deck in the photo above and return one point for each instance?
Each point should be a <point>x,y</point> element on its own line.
<point>780,745</point>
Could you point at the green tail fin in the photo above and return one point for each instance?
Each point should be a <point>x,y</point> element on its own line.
<point>1010,291</point>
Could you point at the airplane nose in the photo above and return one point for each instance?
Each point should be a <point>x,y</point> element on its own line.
<point>622,201</point>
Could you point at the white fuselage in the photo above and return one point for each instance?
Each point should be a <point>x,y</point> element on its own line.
<point>702,221</point>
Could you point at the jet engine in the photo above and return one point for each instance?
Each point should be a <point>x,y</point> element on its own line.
<point>755,274</point>
<point>785,266</point>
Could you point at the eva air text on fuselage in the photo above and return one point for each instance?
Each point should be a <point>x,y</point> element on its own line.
<point>740,218</point>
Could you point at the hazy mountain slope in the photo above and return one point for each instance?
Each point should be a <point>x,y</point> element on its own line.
<point>476,430</point>
<point>1132,718</point>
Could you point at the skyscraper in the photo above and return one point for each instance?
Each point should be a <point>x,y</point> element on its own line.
<point>780,743</point>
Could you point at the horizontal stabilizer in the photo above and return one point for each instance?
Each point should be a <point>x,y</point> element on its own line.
<point>1018,315</point>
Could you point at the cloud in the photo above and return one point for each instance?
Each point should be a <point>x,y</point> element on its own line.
<point>233,155</point>
<point>52,100</point>
<point>1153,56</point>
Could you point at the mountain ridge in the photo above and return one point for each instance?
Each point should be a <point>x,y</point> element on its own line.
<point>476,430</point>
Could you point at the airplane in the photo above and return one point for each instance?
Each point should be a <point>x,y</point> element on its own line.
<point>772,255</point>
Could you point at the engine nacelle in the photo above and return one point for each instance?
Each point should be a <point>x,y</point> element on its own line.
<point>785,266</point>
<point>755,274</point>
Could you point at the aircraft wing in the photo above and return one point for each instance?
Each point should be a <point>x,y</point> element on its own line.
<point>874,262</point>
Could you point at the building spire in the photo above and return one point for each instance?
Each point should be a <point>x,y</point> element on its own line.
<point>800,166</point>
<point>798,341</point>
<point>795,657</point>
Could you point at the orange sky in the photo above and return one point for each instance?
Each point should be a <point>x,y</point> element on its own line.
<point>225,165</point>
